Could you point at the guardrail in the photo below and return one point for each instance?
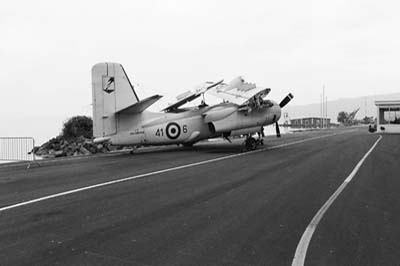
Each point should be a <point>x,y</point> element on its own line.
<point>17,149</point>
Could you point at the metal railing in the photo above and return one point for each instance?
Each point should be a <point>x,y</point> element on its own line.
<point>16,149</point>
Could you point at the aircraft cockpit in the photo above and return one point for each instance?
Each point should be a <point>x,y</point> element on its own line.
<point>259,102</point>
<point>266,103</point>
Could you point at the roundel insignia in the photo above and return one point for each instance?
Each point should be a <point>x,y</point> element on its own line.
<point>173,130</point>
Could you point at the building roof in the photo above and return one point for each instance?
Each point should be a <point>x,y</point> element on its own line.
<point>387,102</point>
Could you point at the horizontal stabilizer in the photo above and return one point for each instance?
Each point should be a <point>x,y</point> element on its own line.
<point>140,106</point>
<point>101,140</point>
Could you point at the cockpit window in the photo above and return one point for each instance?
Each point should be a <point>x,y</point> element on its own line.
<point>267,103</point>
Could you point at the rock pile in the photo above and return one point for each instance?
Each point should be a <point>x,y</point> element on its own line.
<point>58,147</point>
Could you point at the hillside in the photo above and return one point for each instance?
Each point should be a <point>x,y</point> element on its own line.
<point>366,105</point>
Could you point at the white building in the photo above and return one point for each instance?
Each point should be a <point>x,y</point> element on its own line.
<point>388,118</point>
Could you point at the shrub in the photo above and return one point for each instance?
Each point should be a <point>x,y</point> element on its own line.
<point>78,126</point>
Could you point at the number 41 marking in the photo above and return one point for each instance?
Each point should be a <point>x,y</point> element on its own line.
<point>160,132</point>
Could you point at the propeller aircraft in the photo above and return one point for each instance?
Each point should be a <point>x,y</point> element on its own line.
<point>119,117</point>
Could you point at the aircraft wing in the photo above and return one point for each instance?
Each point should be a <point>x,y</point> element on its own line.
<point>190,95</point>
<point>238,91</point>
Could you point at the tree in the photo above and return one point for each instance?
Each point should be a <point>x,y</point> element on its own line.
<point>368,120</point>
<point>342,117</point>
<point>78,126</point>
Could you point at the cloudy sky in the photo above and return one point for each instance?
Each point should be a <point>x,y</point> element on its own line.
<point>47,49</point>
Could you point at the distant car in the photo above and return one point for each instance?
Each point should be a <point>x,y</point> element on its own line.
<point>372,128</point>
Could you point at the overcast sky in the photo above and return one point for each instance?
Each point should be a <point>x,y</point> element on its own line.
<point>47,49</point>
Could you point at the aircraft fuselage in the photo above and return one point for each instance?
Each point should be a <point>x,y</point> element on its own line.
<point>190,126</point>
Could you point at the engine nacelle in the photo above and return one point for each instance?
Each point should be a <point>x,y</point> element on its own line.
<point>241,120</point>
<point>218,113</point>
<point>245,131</point>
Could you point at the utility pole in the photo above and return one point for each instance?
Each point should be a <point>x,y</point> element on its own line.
<point>326,111</point>
<point>323,106</point>
<point>321,114</point>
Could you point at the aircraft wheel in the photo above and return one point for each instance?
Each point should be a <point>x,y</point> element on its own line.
<point>251,144</point>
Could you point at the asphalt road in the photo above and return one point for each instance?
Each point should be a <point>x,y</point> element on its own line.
<point>247,209</point>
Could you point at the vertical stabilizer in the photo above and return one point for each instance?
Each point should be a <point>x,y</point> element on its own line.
<point>112,92</point>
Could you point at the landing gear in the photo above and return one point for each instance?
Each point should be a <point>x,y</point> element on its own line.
<point>260,142</point>
<point>251,143</point>
<point>134,149</point>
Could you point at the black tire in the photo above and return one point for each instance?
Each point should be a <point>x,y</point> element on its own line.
<point>251,144</point>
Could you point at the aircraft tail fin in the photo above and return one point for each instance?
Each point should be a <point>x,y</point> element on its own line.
<point>112,92</point>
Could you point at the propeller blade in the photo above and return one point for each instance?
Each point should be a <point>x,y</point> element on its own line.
<point>286,100</point>
<point>278,132</point>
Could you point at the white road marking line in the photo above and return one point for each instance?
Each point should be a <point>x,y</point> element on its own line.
<point>301,250</point>
<point>24,203</point>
